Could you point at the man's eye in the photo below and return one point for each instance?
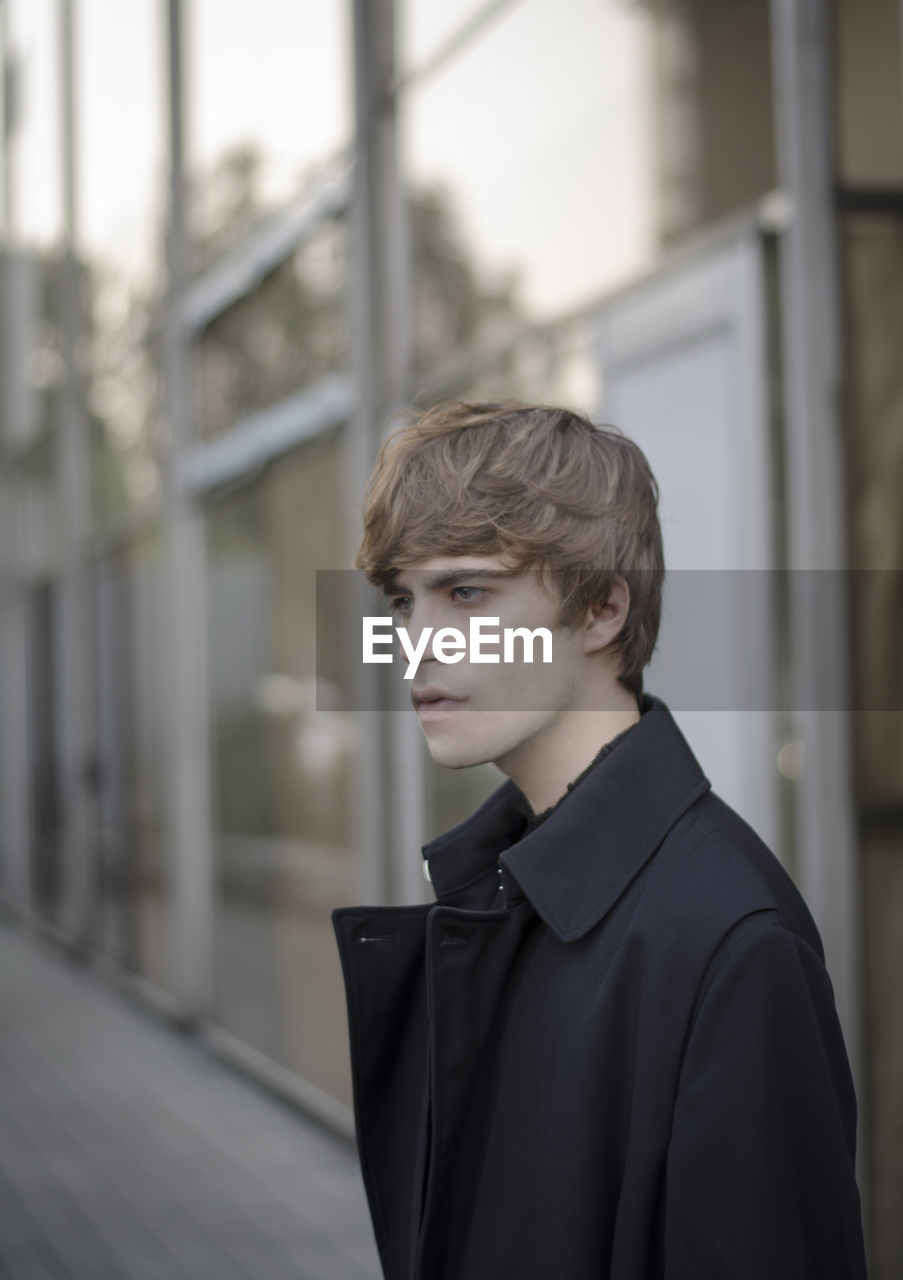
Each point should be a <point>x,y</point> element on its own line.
<point>401,604</point>
<point>472,594</point>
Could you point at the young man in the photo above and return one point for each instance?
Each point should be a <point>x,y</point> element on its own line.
<point>610,1049</point>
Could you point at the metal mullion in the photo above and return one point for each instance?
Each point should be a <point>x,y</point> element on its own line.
<point>6,124</point>
<point>812,362</point>
<point>14,811</point>
<point>187,734</point>
<point>78,730</point>
<point>370,813</point>
<point>391,775</point>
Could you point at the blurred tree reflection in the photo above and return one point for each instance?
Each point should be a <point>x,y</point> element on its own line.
<point>456,310</point>
<point>290,328</point>
<point>34,372</point>
<point>122,355</point>
<point>287,331</point>
<point>294,325</point>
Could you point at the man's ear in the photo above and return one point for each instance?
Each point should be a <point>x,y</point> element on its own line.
<point>604,619</point>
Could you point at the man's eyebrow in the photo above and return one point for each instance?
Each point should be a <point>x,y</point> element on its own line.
<point>446,578</point>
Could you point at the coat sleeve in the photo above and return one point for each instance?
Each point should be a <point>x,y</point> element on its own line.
<point>760,1173</point>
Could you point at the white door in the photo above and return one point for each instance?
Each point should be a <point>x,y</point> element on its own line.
<point>685,374</point>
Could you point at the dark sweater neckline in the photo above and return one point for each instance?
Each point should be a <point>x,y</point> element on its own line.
<point>533,820</point>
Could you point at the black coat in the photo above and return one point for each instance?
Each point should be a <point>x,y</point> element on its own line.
<point>611,1053</point>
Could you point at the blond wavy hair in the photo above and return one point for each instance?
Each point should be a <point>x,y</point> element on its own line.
<point>542,485</point>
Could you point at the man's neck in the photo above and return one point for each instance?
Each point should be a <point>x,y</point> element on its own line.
<point>544,765</point>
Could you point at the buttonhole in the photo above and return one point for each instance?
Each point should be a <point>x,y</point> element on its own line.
<point>379,937</point>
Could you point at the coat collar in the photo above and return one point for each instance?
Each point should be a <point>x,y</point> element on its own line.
<point>576,864</point>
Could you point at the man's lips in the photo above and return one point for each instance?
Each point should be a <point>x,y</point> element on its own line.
<point>430,695</point>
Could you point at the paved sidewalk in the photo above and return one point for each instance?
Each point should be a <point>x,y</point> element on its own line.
<point>129,1152</point>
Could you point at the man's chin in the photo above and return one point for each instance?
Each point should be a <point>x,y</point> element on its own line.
<point>452,752</point>
<point>455,755</point>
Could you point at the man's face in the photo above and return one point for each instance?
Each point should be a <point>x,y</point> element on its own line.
<point>496,708</point>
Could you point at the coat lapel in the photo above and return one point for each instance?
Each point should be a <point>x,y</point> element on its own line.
<point>576,864</point>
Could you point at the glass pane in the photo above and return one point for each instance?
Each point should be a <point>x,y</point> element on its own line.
<point>513,214</point>
<point>868,44</point>
<point>136,886</point>
<point>37,492</point>
<point>873,259</point>
<point>155,943</point>
<point>114,759</point>
<point>282,771</point>
<point>34,344</point>
<point>47,813</point>
<point>554,365</point>
<point>423,27</point>
<point>122,190</point>
<point>563,148</point>
<point>297,57</point>
<point>35,137</point>
<point>286,333</point>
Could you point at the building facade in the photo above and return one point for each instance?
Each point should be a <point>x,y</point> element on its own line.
<point>234,239</point>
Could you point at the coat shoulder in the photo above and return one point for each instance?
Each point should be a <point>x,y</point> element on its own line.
<point>713,870</point>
